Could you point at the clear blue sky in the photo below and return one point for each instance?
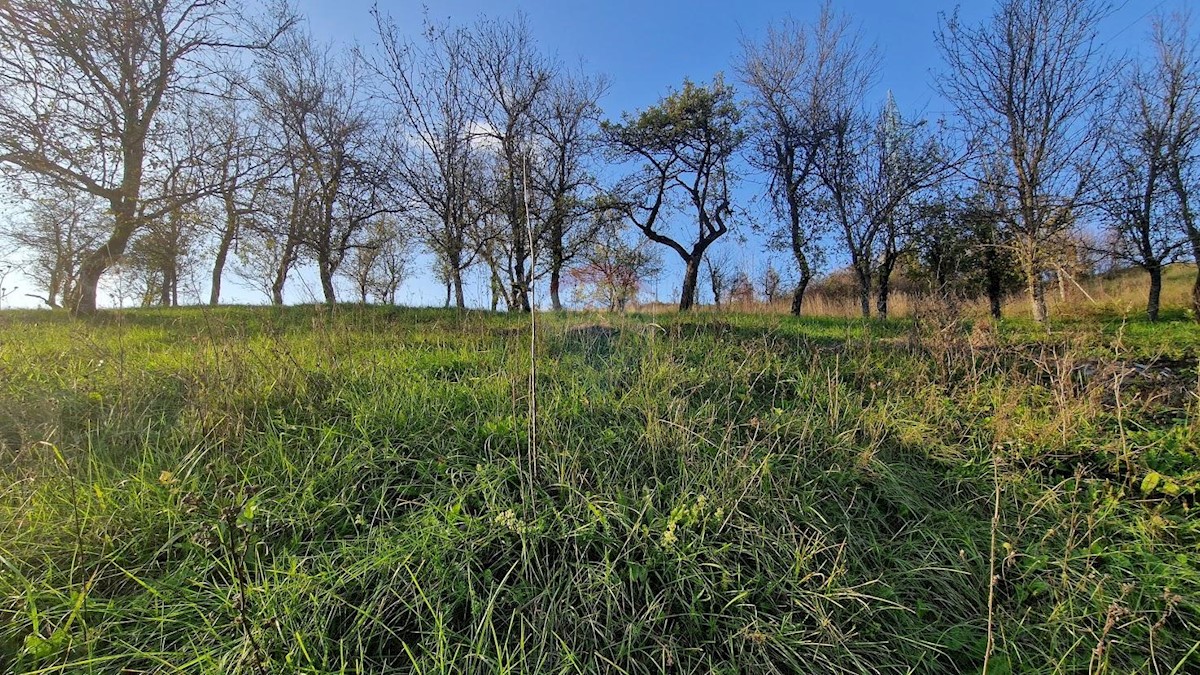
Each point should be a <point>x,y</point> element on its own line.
<point>648,46</point>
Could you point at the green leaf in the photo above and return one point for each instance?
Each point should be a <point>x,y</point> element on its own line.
<point>1150,482</point>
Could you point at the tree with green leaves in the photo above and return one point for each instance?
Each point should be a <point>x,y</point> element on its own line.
<point>683,146</point>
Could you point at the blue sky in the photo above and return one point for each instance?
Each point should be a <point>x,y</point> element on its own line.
<point>646,47</point>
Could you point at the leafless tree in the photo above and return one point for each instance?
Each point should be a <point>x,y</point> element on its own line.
<point>87,92</point>
<point>382,263</point>
<point>315,96</point>
<point>718,267</point>
<point>741,290</point>
<point>264,256</point>
<point>871,174</point>
<point>805,83</point>
<point>575,210</point>
<point>1174,83</point>
<point>1031,82</point>
<point>513,77</point>
<point>495,256</point>
<point>771,281</point>
<point>1142,213</point>
<point>62,227</point>
<point>164,252</point>
<point>242,167</point>
<point>438,165</point>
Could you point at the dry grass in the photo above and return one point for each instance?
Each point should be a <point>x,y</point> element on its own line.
<point>1123,294</point>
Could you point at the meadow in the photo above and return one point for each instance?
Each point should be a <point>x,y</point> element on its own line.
<point>371,489</point>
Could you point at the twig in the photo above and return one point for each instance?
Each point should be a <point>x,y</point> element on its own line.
<point>991,638</point>
<point>532,453</point>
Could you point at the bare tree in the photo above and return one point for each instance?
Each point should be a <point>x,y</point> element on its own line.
<point>63,226</point>
<point>495,255</point>
<point>513,77</point>
<point>1140,205</point>
<point>267,250</point>
<point>718,267</point>
<point>382,263</point>
<point>164,252</point>
<point>242,167</point>
<point>912,161</point>
<point>435,105</point>
<point>1174,82</point>
<point>1031,82</point>
<point>805,82</point>
<point>565,125</point>
<point>741,290</point>
<point>684,145</point>
<point>315,97</point>
<point>871,174</point>
<point>88,87</point>
<point>771,282</point>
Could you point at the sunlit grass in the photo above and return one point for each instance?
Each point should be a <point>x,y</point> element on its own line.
<point>347,490</point>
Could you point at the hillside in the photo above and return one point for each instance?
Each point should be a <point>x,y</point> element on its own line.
<point>353,490</point>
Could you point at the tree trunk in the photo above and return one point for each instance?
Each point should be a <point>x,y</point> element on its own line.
<point>994,301</point>
<point>1037,295</point>
<point>687,298</point>
<point>883,292</point>
<point>1195,284</point>
<point>164,293</point>
<point>325,270</point>
<point>995,286</point>
<point>98,261</point>
<point>883,282</point>
<point>89,279</point>
<point>281,274</point>
<point>214,294</point>
<point>460,300</point>
<point>54,284</point>
<point>555,283</point>
<point>1196,298</point>
<point>1152,302</point>
<point>798,296</point>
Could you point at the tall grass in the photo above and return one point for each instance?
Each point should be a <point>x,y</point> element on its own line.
<point>1121,294</point>
<point>317,490</point>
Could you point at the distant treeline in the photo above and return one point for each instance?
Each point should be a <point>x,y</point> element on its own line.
<point>155,141</point>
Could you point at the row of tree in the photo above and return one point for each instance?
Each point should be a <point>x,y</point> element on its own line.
<point>153,137</point>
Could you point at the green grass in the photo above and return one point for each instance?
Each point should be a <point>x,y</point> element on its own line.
<point>306,490</point>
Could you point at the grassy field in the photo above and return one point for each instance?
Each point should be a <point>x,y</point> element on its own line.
<point>365,490</point>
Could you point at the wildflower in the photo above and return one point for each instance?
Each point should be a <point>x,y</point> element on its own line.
<point>509,520</point>
<point>668,536</point>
